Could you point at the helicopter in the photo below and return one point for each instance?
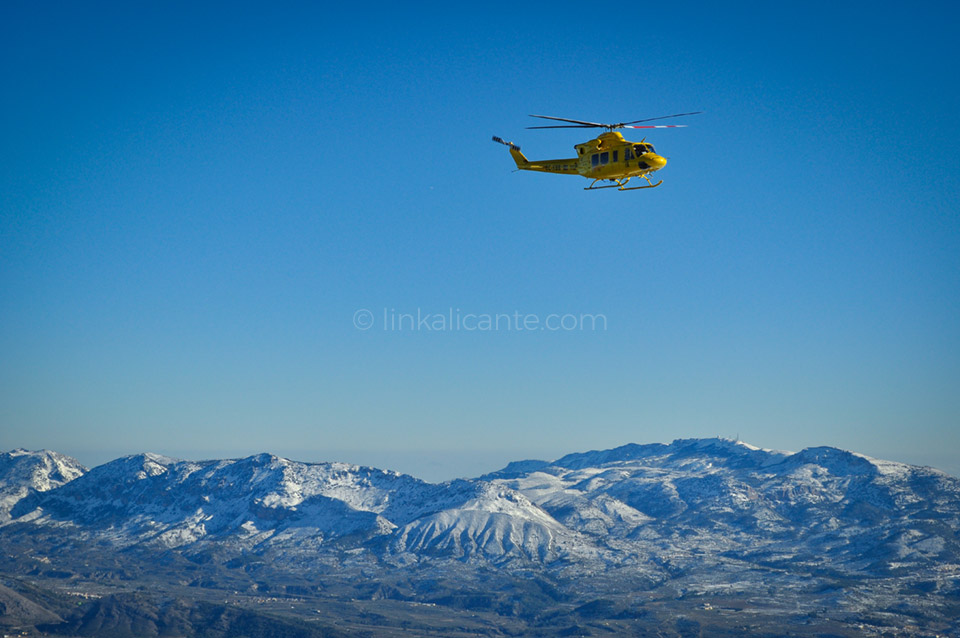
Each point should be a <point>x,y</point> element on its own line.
<point>608,157</point>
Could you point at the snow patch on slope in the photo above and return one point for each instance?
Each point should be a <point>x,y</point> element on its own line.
<point>24,474</point>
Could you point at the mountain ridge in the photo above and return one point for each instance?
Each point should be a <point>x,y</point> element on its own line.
<point>688,519</point>
<point>587,499</point>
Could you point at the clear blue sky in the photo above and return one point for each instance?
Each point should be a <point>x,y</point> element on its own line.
<point>195,202</point>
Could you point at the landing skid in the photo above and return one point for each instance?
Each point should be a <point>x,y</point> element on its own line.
<point>636,188</point>
<point>621,185</point>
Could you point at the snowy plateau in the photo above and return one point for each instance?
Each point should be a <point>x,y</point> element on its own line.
<point>699,537</point>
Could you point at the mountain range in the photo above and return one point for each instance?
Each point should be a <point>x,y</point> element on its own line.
<point>710,527</point>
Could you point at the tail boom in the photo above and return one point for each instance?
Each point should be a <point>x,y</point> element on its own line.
<point>567,166</point>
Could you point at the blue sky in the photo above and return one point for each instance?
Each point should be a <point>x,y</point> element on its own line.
<point>195,203</point>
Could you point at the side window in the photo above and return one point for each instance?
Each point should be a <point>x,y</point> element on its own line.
<point>628,154</point>
<point>615,154</point>
<point>605,157</point>
<point>594,159</point>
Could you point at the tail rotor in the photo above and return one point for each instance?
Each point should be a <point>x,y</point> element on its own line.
<point>513,147</point>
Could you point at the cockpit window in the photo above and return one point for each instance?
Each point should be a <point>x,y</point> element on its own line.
<point>639,149</point>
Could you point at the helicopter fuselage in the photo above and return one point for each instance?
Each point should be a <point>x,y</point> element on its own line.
<point>606,157</point>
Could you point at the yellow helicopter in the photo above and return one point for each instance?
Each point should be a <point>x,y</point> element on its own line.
<point>608,157</point>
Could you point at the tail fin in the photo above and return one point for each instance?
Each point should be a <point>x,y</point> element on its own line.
<point>518,157</point>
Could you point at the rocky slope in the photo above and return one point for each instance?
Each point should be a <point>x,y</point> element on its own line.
<point>24,474</point>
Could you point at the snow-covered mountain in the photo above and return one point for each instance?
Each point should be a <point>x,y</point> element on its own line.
<point>697,501</point>
<point>153,499</point>
<point>494,522</point>
<point>23,474</point>
<point>642,533</point>
<point>266,501</point>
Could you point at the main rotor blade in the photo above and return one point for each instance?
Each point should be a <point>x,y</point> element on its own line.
<point>613,126</point>
<point>583,124</point>
<point>570,126</point>
<point>656,126</point>
<point>662,117</point>
<point>563,119</point>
